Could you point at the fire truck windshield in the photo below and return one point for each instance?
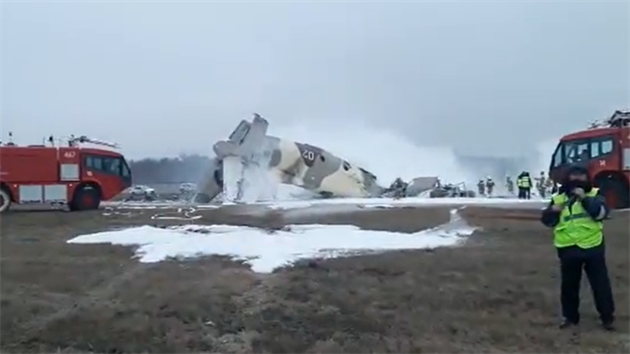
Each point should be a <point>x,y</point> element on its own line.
<point>581,150</point>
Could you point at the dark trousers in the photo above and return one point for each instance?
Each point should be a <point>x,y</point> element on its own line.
<point>524,193</point>
<point>572,260</point>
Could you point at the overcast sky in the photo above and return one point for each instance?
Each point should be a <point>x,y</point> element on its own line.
<point>166,77</point>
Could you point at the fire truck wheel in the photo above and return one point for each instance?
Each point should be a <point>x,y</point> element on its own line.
<point>86,198</point>
<point>5,200</point>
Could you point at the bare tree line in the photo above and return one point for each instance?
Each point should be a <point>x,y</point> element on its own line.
<point>190,168</point>
<point>185,168</point>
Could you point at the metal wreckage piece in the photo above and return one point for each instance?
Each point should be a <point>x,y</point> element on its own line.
<point>249,154</point>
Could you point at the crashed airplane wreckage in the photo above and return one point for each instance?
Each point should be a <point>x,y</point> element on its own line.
<point>249,154</point>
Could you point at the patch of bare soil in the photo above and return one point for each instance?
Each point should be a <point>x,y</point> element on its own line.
<point>498,292</point>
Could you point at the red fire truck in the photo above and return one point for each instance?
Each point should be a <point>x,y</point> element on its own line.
<point>604,149</point>
<point>76,175</point>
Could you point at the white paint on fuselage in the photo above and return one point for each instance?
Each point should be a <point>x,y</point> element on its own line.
<point>342,184</point>
<point>290,156</point>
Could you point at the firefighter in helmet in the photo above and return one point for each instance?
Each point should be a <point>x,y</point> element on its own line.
<point>489,186</point>
<point>550,186</point>
<point>481,187</point>
<point>541,184</point>
<point>509,185</point>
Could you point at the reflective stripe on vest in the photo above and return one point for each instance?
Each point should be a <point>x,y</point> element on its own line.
<point>523,182</point>
<point>576,227</point>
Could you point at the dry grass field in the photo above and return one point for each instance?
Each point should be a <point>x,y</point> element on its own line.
<point>496,293</point>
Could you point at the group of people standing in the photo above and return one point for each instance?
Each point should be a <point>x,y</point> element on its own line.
<point>524,183</point>
<point>485,187</point>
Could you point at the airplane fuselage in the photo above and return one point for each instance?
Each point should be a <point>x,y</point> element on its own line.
<point>289,162</point>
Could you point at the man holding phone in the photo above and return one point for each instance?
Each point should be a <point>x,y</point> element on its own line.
<point>576,215</point>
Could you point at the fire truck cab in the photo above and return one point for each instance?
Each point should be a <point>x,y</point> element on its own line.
<point>77,176</point>
<point>604,149</point>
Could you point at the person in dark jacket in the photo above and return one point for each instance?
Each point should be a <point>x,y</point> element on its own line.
<point>576,215</point>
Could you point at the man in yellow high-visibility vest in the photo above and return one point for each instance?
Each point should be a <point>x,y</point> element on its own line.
<point>524,184</point>
<point>576,214</point>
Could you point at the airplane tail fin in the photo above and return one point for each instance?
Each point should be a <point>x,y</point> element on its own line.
<point>246,139</point>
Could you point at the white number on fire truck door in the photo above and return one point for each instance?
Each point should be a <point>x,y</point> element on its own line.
<point>69,154</point>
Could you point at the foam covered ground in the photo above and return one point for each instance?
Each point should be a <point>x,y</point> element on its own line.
<point>265,250</point>
<point>335,204</point>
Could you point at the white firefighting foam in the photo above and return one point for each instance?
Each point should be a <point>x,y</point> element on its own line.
<point>266,251</point>
<point>386,154</point>
<point>383,152</point>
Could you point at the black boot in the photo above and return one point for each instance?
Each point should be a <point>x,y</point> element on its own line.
<point>567,324</point>
<point>608,325</point>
